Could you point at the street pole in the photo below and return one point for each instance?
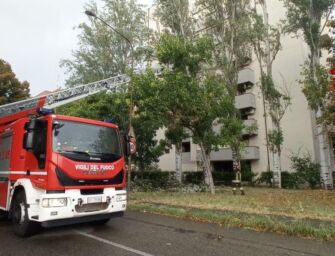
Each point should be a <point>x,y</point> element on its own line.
<point>131,108</point>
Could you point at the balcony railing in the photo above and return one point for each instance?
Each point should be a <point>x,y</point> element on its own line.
<point>250,127</point>
<point>245,101</point>
<point>246,78</point>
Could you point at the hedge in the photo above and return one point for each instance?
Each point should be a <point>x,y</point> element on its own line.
<point>164,179</point>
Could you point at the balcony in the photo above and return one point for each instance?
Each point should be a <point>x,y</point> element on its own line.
<point>245,102</point>
<point>246,78</point>
<point>225,154</point>
<point>250,127</point>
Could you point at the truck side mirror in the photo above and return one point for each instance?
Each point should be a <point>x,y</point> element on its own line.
<point>28,140</point>
<point>35,139</point>
<point>29,136</point>
<point>130,145</point>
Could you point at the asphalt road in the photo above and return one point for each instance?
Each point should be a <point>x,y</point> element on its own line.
<point>147,234</point>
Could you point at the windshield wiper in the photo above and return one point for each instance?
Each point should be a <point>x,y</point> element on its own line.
<point>75,151</point>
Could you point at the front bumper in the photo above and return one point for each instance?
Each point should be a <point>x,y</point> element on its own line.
<point>78,206</point>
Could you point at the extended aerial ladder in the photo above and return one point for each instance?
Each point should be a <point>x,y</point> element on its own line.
<point>16,110</point>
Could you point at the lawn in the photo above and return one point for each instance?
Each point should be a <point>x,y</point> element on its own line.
<point>304,213</point>
<point>315,204</point>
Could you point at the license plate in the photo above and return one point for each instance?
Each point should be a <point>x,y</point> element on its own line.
<point>96,199</point>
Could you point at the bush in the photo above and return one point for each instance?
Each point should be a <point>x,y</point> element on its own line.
<point>223,178</point>
<point>157,180</point>
<point>290,180</point>
<point>193,178</point>
<point>307,170</point>
<point>265,177</point>
<point>152,180</point>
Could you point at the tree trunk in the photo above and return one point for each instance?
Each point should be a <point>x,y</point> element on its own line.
<point>276,169</point>
<point>276,159</point>
<point>267,39</point>
<point>178,160</point>
<point>236,162</point>
<point>266,127</point>
<point>326,173</point>
<point>207,169</point>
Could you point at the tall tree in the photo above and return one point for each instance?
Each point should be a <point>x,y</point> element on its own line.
<point>201,99</point>
<point>311,17</point>
<point>11,89</point>
<point>103,53</point>
<point>228,23</point>
<point>175,16</point>
<point>266,44</point>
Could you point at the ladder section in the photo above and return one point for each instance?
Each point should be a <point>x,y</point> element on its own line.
<point>16,110</point>
<point>66,96</point>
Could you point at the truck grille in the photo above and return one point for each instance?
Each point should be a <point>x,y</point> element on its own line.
<point>91,207</point>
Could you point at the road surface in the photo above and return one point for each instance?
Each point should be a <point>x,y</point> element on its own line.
<point>147,234</point>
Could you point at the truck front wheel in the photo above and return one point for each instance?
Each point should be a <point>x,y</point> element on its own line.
<point>23,227</point>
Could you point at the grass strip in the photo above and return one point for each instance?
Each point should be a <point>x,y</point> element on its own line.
<point>293,227</point>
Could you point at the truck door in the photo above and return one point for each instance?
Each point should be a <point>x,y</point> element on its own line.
<point>5,150</point>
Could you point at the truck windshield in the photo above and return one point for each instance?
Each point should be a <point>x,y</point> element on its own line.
<point>86,142</point>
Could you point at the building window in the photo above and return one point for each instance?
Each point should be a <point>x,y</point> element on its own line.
<point>185,147</point>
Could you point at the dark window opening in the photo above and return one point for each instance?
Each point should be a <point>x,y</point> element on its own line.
<point>186,147</point>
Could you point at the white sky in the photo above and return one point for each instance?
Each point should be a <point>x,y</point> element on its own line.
<point>36,34</point>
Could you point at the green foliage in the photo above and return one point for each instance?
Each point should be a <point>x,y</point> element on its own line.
<point>231,53</point>
<point>103,53</point>
<point>276,139</point>
<point>193,178</point>
<point>152,180</point>
<point>290,180</point>
<point>184,55</point>
<point>329,113</point>
<point>162,180</point>
<point>315,86</point>
<point>11,89</point>
<point>175,15</point>
<point>306,15</point>
<point>307,170</point>
<point>326,42</point>
<point>193,99</point>
<point>265,177</point>
<point>223,178</point>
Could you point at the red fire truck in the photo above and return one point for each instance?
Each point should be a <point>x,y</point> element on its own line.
<point>56,169</point>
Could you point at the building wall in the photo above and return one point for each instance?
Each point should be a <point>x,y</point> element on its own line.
<point>297,122</point>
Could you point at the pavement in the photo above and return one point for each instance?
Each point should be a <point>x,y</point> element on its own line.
<point>147,234</point>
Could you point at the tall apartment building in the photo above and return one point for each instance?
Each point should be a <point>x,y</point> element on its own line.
<point>298,124</point>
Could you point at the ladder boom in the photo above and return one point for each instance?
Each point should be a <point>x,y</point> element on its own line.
<point>13,111</point>
<point>66,96</point>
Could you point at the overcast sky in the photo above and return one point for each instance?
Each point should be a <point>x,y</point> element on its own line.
<point>36,34</point>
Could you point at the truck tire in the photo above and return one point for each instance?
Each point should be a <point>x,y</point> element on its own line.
<point>22,226</point>
<point>3,215</point>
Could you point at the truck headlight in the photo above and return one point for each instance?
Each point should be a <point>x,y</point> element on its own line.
<point>121,197</point>
<point>54,202</point>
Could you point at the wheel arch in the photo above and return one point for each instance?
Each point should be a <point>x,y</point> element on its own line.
<point>32,194</point>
